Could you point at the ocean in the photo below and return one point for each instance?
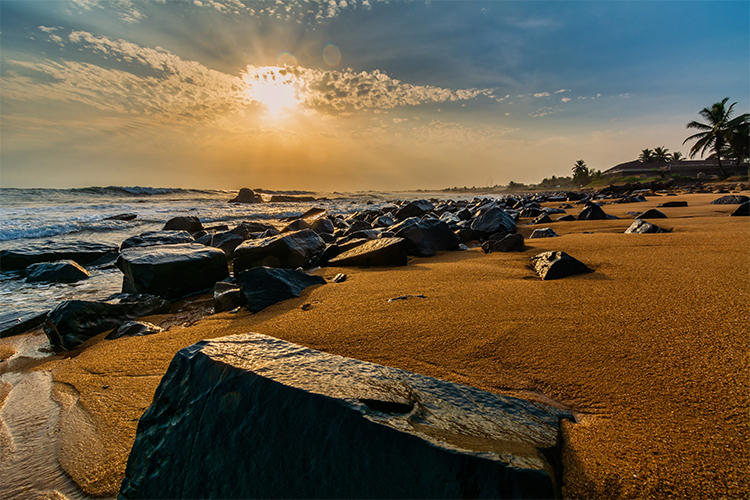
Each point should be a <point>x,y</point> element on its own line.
<point>37,216</point>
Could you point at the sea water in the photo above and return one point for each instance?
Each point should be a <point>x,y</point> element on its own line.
<point>35,216</point>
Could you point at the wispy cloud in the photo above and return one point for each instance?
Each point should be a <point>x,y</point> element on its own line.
<point>542,94</point>
<point>561,91</point>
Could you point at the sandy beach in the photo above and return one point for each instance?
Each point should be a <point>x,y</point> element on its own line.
<point>650,351</point>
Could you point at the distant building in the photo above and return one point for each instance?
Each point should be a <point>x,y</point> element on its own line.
<point>686,168</point>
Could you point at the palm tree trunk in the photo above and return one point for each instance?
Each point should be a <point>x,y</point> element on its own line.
<point>717,145</point>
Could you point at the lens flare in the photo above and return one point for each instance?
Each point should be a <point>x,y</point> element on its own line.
<point>331,55</point>
<point>274,87</point>
<point>286,59</point>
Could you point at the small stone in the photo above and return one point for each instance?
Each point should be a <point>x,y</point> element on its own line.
<point>640,226</point>
<point>339,278</point>
<point>544,232</point>
<point>555,265</point>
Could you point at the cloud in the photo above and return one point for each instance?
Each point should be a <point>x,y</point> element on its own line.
<point>542,94</point>
<point>565,99</point>
<point>562,91</point>
<point>444,133</point>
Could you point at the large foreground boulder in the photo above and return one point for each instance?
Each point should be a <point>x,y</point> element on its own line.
<point>742,211</point>
<point>380,252</point>
<point>189,223</point>
<point>82,252</point>
<point>427,237</point>
<point>288,250</point>
<point>494,220</point>
<point>555,265</point>
<point>251,416</point>
<point>173,271</point>
<point>62,271</point>
<point>74,321</point>
<point>265,286</point>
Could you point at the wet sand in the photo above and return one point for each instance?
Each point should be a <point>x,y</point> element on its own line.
<point>650,351</point>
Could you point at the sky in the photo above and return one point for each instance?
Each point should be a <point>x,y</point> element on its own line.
<point>346,95</point>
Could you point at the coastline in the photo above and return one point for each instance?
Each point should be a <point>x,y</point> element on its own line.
<point>649,351</point>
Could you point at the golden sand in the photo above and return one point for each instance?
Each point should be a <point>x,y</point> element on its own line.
<point>650,350</point>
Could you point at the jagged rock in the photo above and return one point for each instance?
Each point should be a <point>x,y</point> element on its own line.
<point>339,278</point>
<point>427,237</point>
<point>190,224</point>
<point>157,238</point>
<point>133,329</point>
<point>566,218</point>
<point>466,235</point>
<point>672,204</point>
<point>555,265</point>
<point>367,234</point>
<point>544,232</point>
<point>323,225</point>
<point>592,212</point>
<point>226,241</point>
<point>245,229</point>
<point>414,209</point>
<point>380,252</point>
<point>384,220</point>
<point>310,216</point>
<point>25,324</point>
<point>122,217</point>
<point>251,416</point>
<point>173,271</point>
<point>464,214</point>
<point>743,210</point>
<point>530,212</point>
<point>265,286</point>
<point>62,271</point>
<point>732,199</point>
<point>227,296</point>
<point>296,225</point>
<point>74,321</point>
<point>246,195</point>
<point>357,225</point>
<point>652,214</point>
<point>510,243</point>
<point>494,220</point>
<point>82,252</point>
<point>543,218</point>
<point>640,226</point>
<point>288,250</point>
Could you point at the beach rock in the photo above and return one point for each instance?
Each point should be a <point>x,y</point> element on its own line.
<point>494,220</point>
<point>544,232</point>
<point>251,416</point>
<point>246,229</point>
<point>466,235</point>
<point>544,218</point>
<point>226,241</point>
<point>82,252</point>
<point>296,225</point>
<point>246,195</point>
<point>592,212</point>
<point>555,265</point>
<point>24,324</point>
<point>732,199</point>
<point>743,210</point>
<point>74,321</point>
<point>380,252</point>
<point>288,250</point>
<point>384,220</point>
<point>62,271</point>
<point>227,296</point>
<point>323,225</point>
<point>510,243</point>
<point>157,238</point>
<point>427,237</point>
<point>190,224</point>
<point>122,217</point>
<point>280,198</point>
<point>133,329</point>
<point>414,209</point>
<point>640,226</point>
<point>173,271</point>
<point>310,216</point>
<point>339,278</point>
<point>652,214</point>
<point>367,234</point>
<point>672,204</point>
<point>528,213</point>
<point>566,218</point>
<point>265,286</point>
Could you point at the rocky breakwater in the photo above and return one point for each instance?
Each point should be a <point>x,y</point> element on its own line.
<point>252,416</point>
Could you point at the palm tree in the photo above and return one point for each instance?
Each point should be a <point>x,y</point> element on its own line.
<point>739,139</point>
<point>676,156</point>
<point>660,155</point>
<point>715,133</point>
<point>647,156</point>
<point>581,173</point>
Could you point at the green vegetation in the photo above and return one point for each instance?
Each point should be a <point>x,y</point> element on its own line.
<point>583,175</point>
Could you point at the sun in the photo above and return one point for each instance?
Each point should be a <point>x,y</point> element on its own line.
<point>275,88</point>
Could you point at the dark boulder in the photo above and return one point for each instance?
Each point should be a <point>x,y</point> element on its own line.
<point>265,286</point>
<point>358,225</point>
<point>122,217</point>
<point>566,218</point>
<point>592,212</point>
<point>640,226</point>
<point>544,232</point>
<point>652,214</point>
<point>510,243</point>
<point>133,329</point>
<point>246,195</point>
<point>414,209</point>
<point>296,225</point>
<point>62,271</point>
<point>380,252</point>
<point>246,229</point>
<point>227,296</point>
<point>731,199</point>
<point>367,234</point>
<point>173,271</point>
<point>281,198</point>
<point>427,237</point>
<point>74,321</point>
<point>157,238</point>
<point>555,265</point>
<point>252,416</point>
<point>226,241</point>
<point>494,220</point>
<point>543,218</point>
<point>384,220</point>
<point>466,235</point>
<point>743,210</point>
<point>288,250</point>
<point>82,252</point>
<point>323,225</point>
<point>190,224</point>
<point>528,213</point>
<point>672,204</point>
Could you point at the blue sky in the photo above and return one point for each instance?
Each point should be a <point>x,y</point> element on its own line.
<point>353,95</point>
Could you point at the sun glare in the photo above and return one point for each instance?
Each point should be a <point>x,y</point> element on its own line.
<point>275,88</point>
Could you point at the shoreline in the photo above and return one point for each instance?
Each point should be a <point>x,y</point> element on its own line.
<point>650,350</point>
